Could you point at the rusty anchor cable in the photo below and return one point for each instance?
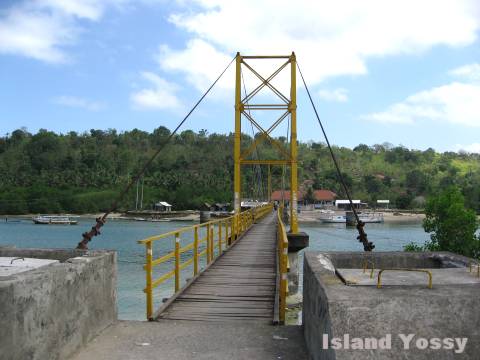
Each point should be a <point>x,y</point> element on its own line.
<point>362,237</point>
<point>95,230</point>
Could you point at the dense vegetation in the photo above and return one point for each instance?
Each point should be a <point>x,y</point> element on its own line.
<point>452,227</point>
<point>49,172</point>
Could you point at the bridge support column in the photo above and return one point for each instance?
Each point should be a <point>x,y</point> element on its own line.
<point>296,242</point>
<point>237,182</point>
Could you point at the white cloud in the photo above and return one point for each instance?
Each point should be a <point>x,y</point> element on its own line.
<point>200,59</point>
<point>330,37</point>
<point>471,148</point>
<point>34,35</point>
<point>78,102</point>
<point>470,72</point>
<point>456,103</point>
<point>87,9</point>
<point>41,29</point>
<point>338,95</point>
<point>160,96</point>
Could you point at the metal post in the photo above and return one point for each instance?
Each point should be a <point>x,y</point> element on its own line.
<point>195,251</point>
<point>148,272</point>
<point>208,244</point>
<point>177,262</point>
<point>219,238</point>
<point>212,248</point>
<point>238,128</point>
<point>293,146</point>
<point>227,230</point>
<point>269,184</point>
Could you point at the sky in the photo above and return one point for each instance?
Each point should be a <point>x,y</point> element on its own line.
<point>404,72</point>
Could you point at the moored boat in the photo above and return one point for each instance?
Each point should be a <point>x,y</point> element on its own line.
<point>371,217</point>
<point>334,219</point>
<point>350,219</point>
<point>53,220</point>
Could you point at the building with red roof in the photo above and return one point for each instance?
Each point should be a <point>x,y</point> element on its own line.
<point>321,197</point>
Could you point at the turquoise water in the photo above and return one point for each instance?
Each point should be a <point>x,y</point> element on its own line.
<point>386,237</point>
<point>122,236</point>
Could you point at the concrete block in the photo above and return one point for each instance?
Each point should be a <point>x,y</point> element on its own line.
<point>51,311</point>
<point>297,242</point>
<point>403,306</point>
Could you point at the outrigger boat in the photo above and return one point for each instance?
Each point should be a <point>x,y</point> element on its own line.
<point>334,219</point>
<point>54,220</point>
<point>364,217</point>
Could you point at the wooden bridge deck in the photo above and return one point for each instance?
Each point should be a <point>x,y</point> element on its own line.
<point>239,286</point>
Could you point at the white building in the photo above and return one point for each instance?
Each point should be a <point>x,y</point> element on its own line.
<point>163,206</point>
<point>345,204</point>
<point>383,203</point>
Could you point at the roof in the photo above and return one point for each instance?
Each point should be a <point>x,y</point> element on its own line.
<point>342,202</point>
<point>319,195</point>
<point>163,203</point>
<point>324,195</point>
<point>383,201</point>
<point>221,205</point>
<point>277,195</point>
<point>252,203</point>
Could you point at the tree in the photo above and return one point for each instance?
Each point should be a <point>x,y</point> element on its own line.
<point>404,200</point>
<point>309,195</point>
<point>372,184</point>
<point>451,225</point>
<point>83,172</point>
<point>416,181</point>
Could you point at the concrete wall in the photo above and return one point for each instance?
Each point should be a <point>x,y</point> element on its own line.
<point>330,307</point>
<point>400,259</point>
<point>50,312</point>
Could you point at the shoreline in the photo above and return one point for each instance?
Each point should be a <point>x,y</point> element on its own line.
<point>389,217</point>
<point>112,216</point>
<point>305,217</point>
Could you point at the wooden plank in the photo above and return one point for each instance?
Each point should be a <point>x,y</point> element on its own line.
<point>239,286</point>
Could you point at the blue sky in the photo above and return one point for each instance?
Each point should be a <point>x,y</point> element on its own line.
<point>398,72</point>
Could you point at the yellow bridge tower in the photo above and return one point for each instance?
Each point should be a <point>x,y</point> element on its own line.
<point>288,156</point>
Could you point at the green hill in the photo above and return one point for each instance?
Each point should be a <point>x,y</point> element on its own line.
<point>49,172</point>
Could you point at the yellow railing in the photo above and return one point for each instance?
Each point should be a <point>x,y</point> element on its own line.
<point>282,259</point>
<point>207,240</point>
<point>428,272</point>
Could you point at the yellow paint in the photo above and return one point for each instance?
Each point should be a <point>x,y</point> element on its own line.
<point>237,185</point>
<point>177,262</point>
<point>148,273</point>
<point>245,219</point>
<point>293,146</point>
<point>428,272</point>
<point>282,258</point>
<point>288,157</point>
<point>269,183</point>
<point>195,251</point>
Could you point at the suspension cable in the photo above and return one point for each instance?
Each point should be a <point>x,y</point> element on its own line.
<point>362,235</point>
<point>100,221</point>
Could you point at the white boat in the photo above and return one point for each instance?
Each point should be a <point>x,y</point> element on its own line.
<point>54,220</point>
<point>364,217</point>
<point>371,217</point>
<point>334,219</point>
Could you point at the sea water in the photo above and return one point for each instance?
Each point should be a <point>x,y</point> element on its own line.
<point>122,236</point>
